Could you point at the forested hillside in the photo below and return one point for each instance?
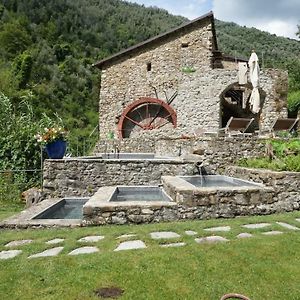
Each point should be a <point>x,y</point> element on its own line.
<point>47,48</point>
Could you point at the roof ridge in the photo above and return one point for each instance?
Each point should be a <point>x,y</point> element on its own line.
<point>119,54</point>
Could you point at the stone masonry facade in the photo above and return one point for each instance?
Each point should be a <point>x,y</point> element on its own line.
<point>197,105</point>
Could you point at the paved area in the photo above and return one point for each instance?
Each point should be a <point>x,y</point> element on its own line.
<point>198,237</point>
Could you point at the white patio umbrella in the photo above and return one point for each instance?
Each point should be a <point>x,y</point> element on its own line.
<point>254,78</point>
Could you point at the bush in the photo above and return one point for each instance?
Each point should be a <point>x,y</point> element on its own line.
<point>286,157</point>
<point>294,103</point>
<point>18,146</point>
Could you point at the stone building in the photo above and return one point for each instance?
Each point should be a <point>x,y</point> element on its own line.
<point>180,84</point>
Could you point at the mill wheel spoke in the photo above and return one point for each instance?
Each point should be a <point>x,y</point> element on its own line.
<point>134,122</point>
<point>162,125</point>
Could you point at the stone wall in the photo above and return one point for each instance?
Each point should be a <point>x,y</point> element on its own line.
<point>216,153</point>
<point>132,145</point>
<point>128,79</point>
<point>189,72</point>
<point>286,186</point>
<point>83,177</point>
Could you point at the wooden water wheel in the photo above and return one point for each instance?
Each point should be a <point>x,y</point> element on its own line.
<point>146,114</point>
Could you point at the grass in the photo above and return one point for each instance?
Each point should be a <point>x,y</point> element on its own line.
<point>9,209</point>
<point>262,267</point>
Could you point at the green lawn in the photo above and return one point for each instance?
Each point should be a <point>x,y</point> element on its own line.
<point>261,267</point>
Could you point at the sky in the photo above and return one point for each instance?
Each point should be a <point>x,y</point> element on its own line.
<point>275,16</point>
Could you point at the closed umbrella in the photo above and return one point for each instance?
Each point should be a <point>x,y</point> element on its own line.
<point>254,78</point>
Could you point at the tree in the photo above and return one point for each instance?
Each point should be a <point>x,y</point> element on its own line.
<point>14,39</point>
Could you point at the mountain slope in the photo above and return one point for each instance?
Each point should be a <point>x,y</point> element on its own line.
<point>47,48</point>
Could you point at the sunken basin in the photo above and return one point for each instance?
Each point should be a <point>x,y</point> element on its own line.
<point>214,196</point>
<point>129,204</point>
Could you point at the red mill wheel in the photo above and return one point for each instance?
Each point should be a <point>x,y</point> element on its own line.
<point>146,114</point>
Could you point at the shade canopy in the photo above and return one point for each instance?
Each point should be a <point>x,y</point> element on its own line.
<point>254,78</point>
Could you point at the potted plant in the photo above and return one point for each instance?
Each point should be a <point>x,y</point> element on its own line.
<point>55,141</point>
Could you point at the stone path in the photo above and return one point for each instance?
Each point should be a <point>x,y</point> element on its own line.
<point>55,241</point>
<point>288,226</point>
<point>139,244</point>
<point>257,226</point>
<point>211,239</point>
<point>49,252</point>
<point>84,250</point>
<point>164,235</point>
<point>91,239</point>
<point>130,245</point>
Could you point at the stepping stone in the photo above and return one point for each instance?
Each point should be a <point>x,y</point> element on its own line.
<point>211,239</point>
<point>298,220</point>
<point>84,250</point>
<point>91,239</point>
<point>190,232</point>
<point>49,252</point>
<point>18,243</point>
<point>244,235</point>
<point>288,226</point>
<point>55,241</point>
<point>256,225</point>
<point>164,235</point>
<point>126,236</point>
<point>130,245</point>
<point>272,232</point>
<point>9,254</point>
<point>173,245</point>
<point>220,228</point>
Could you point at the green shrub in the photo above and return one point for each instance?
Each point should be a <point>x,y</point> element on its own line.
<point>294,102</point>
<point>287,157</point>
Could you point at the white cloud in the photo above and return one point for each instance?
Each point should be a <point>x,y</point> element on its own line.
<point>279,17</point>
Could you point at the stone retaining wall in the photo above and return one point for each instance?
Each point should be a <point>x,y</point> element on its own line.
<point>286,187</point>
<point>216,153</point>
<point>83,177</point>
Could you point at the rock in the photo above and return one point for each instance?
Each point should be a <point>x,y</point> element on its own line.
<point>272,232</point>
<point>173,245</point>
<point>84,250</point>
<point>211,239</point>
<point>118,221</point>
<point>190,232</point>
<point>288,226</point>
<point>55,241</point>
<point>18,243</point>
<point>91,239</point>
<point>32,196</point>
<point>164,235</point>
<point>221,228</point>
<point>130,245</point>
<point>256,225</point>
<point>48,252</point>
<point>244,235</point>
<point>9,254</point>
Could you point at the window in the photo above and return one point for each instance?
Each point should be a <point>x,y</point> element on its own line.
<point>149,66</point>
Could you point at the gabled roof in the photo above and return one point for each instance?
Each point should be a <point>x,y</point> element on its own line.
<point>158,38</point>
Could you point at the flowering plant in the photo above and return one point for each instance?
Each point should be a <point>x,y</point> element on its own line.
<point>52,134</point>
